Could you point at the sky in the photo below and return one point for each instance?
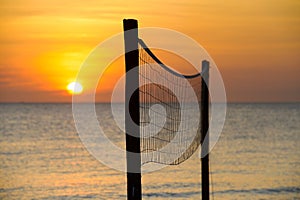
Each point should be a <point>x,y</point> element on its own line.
<point>255,44</point>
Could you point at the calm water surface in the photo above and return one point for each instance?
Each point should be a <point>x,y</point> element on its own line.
<point>41,157</point>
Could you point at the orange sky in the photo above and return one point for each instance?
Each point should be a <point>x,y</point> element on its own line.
<point>255,44</point>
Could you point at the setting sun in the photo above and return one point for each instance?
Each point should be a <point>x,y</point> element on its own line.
<point>74,88</point>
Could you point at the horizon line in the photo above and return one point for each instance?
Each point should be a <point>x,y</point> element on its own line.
<point>104,102</point>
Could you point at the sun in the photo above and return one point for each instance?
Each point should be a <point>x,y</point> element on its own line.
<point>74,88</point>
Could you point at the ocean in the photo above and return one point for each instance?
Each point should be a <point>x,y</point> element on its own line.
<point>41,157</point>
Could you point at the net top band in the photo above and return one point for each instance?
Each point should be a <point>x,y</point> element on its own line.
<point>145,47</point>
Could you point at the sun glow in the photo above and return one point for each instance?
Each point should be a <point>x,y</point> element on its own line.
<point>74,88</point>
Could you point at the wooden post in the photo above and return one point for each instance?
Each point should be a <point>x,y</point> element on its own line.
<point>204,133</point>
<point>134,187</point>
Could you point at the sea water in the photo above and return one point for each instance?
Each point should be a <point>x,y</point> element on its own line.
<point>42,157</point>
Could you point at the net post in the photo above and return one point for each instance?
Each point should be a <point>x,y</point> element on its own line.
<point>132,114</point>
<point>204,130</point>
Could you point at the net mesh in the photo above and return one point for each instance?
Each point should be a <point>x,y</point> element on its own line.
<point>169,111</point>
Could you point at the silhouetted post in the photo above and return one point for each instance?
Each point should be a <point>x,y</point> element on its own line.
<point>204,133</point>
<point>132,115</point>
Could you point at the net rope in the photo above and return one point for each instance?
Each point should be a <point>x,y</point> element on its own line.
<point>167,105</point>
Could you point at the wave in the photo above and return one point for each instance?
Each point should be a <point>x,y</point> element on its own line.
<point>262,191</point>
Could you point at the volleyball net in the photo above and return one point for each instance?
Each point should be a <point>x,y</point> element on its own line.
<point>169,107</point>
